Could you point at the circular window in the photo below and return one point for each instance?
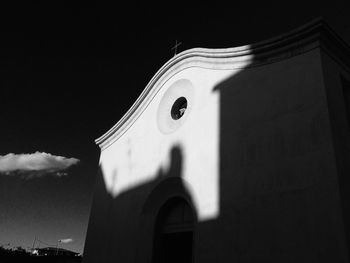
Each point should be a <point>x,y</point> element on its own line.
<point>175,106</point>
<point>179,108</point>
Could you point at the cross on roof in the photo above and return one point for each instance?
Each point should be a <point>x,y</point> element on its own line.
<point>175,47</point>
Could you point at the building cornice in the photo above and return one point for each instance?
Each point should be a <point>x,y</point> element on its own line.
<point>315,34</point>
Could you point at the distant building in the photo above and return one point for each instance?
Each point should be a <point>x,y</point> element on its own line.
<point>53,251</point>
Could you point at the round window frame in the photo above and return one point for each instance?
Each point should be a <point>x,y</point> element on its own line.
<point>178,89</point>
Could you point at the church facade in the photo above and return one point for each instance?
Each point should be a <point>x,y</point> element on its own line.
<point>231,155</point>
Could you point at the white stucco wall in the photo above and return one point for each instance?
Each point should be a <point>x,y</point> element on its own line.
<point>144,149</point>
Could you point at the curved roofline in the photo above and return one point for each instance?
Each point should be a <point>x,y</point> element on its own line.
<point>315,34</point>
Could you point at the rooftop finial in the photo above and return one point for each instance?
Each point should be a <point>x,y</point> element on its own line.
<point>175,47</point>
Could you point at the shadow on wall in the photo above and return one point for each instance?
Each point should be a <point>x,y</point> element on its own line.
<point>278,197</point>
<point>124,227</point>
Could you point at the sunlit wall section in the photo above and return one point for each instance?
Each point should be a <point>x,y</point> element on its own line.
<point>143,153</point>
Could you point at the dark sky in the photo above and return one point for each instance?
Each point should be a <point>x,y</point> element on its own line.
<point>69,71</point>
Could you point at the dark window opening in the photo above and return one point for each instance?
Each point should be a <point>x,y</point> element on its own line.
<point>174,233</point>
<point>179,108</point>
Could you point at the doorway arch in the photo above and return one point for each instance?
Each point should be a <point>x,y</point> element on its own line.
<point>174,232</point>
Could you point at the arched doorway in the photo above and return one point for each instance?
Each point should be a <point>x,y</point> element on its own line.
<point>174,232</point>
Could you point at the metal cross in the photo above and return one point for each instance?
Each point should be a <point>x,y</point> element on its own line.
<point>175,47</point>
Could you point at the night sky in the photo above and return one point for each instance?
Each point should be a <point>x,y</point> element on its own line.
<point>70,71</point>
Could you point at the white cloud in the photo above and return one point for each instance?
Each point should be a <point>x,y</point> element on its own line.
<point>35,164</point>
<point>66,240</point>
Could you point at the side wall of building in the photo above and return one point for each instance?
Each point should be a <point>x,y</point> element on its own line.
<point>279,191</point>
